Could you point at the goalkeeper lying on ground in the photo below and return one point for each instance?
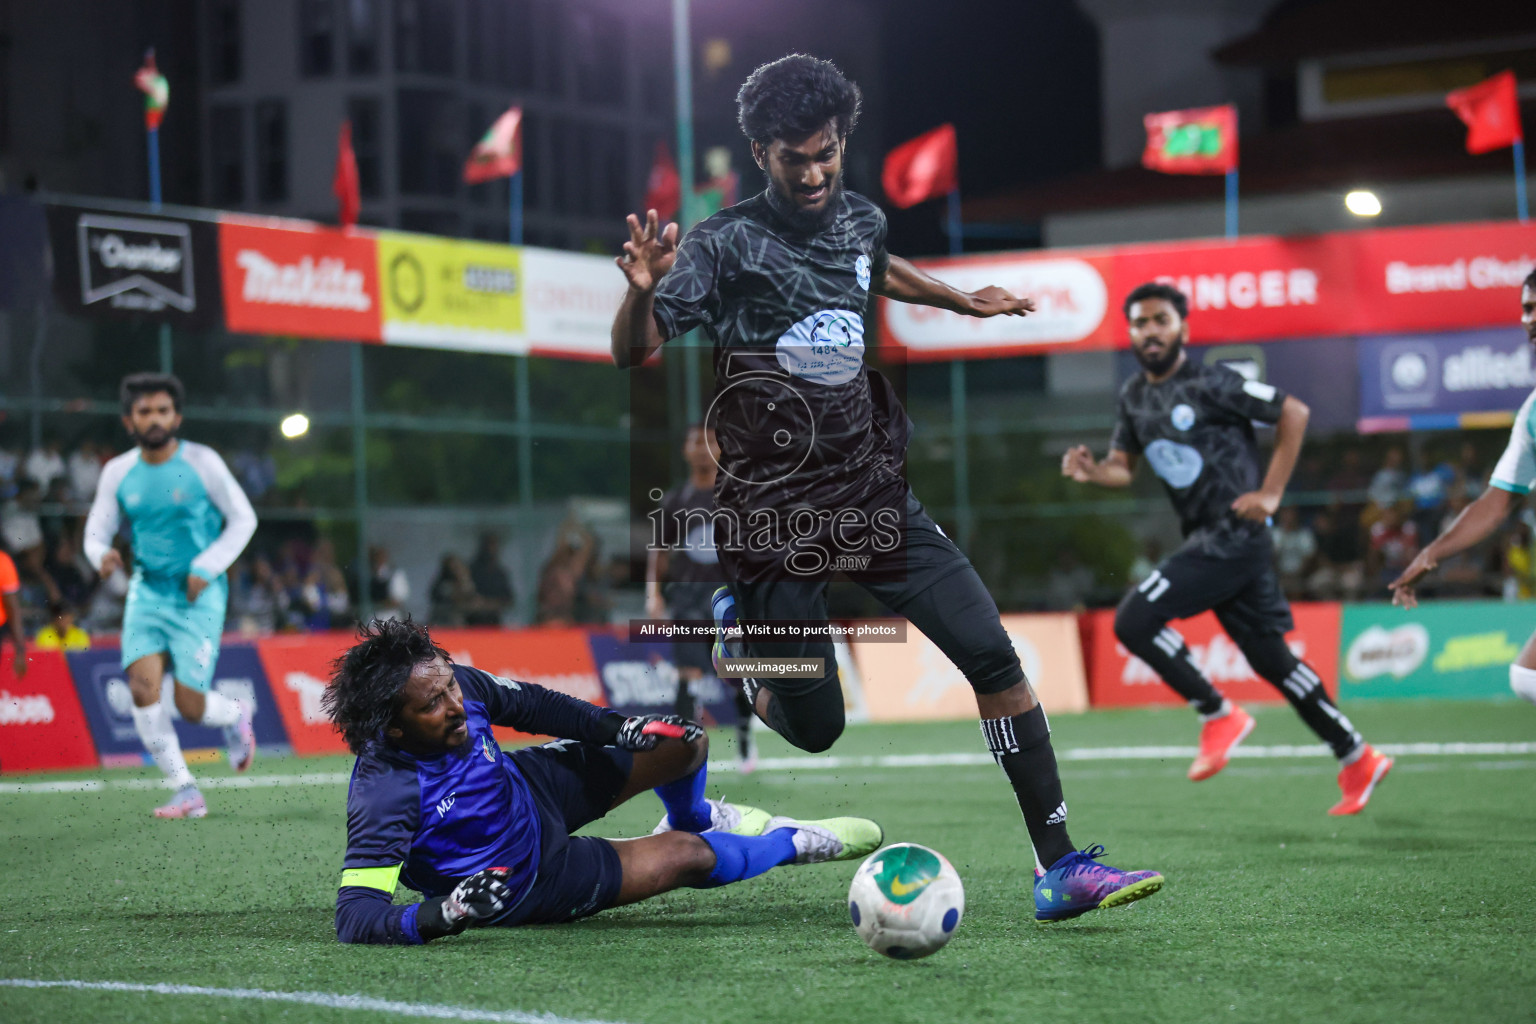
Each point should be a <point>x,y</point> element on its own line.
<point>485,835</point>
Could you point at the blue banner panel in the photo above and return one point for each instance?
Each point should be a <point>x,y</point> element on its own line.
<point>640,678</point>
<point>103,687</point>
<point>1433,378</point>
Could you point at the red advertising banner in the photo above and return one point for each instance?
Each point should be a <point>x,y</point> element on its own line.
<point>42,727</point>
<point>298,668</point>
<point>290,277</point>
<point>1392,280</point>
<point>1116,679</point>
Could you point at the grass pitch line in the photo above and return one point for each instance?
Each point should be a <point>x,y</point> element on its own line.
<point>323,999</point>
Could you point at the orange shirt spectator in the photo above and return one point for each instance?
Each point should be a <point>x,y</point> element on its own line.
<point>10,613</point>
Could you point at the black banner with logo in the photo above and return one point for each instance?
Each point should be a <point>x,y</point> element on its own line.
<point>136,265</point>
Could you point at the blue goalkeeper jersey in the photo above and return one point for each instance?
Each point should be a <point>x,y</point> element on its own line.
<point>429,822</point>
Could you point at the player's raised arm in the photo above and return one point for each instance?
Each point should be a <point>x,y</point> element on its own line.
<point>1116,470</point>
<point>648,255</point>
<point>905,283</point>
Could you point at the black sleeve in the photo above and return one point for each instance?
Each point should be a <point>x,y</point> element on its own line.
<point>528,707</point>
<point>1123,437</point>
<point>880,261</point>
<point>1247,399</point>
<point>689,296</point>
<point>383,806</point>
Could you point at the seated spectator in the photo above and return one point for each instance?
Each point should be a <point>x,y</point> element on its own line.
<point>10,466</point>
<point>45,464</point>
<point>1519,563</point>
<point>62,634</point>
<point>388,586</point>
<point>1295,549</point>
<point>1069,584</point>
<point>561,577</point>
<point>72,575</point>
<point>253,599</point>
<point>1338,571</point>
<point>492,585</point>
<point>453,597</point>
<point>23,533</point>
<point>1394,542</point>
<point>1464,574</point>
<point>84,471</point>
<point>1391,479</point>
<point>324,591</point>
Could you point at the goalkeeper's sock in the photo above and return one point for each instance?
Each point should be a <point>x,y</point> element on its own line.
<point>159,738</point>
<point>687,810</point>
<point>742,857</point>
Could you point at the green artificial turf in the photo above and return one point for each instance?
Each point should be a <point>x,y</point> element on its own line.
<point>1420,909</point>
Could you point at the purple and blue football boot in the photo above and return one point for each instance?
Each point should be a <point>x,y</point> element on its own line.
<point>1078,883</point>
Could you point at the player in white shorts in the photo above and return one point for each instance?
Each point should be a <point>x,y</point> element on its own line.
<point>1512,479</point>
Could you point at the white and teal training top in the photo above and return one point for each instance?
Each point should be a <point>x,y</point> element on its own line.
<point>1516,471</point>
<point>187,514</point>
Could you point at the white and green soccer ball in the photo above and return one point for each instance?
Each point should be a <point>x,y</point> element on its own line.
<point>906,901</point>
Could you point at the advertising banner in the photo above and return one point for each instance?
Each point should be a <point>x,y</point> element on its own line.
<point>914,681</point>
<point>150,265</point>
<point>104,696</point>
<point>1431,380</point>
<point>41,725</point>
<point>299,279</point>
<point>640,678</point>
<point>569,300</point>
<point>298,668</point>
<point>555,657</point>
<point>446,293</point>
<point>1457,649</point>
<point>1117,679</point>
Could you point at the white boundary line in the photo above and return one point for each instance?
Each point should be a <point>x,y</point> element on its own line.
<point>834,763</point>
<point>324,999</point>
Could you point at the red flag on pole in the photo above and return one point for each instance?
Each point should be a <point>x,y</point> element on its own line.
<point>922,168</point>
<point>499,153</point>
<point>1198,141</point>
<point>156,90</point>
<point>664,188</point>
<point>345,184</point>
<point>1491,110</point>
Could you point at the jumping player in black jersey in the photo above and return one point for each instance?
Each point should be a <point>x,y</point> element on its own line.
<point>812,443</point>
<point>1194,425</point>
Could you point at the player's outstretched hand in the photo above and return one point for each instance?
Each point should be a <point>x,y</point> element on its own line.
<point>643,732</point>
<point>995,301</point>
<point>1404,594</point>
<point>1078,463</point>
<point>478,897</point>
<point>649,253</point>
<point>1256,505</point>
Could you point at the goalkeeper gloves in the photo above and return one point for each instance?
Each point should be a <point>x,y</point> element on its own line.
<point>477,898</point>
<point>643,732</point>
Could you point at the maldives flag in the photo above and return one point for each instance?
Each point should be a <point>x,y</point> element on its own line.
<point>345,184</point>
<point>1491,110</point>
<point>664,188</point>
<point>156,90</point>
<point>1199,141</point>
<point>922,168</point>
<point>499,153</point>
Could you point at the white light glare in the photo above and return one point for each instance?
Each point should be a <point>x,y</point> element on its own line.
<point>294,426</point>
<point>1363,203</point>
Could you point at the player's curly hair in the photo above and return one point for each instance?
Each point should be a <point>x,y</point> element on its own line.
<point>368,681</point>
<point>794,96</point>
<point>1157,290</point>
<point>1530,281</point>
<point>137,385</point>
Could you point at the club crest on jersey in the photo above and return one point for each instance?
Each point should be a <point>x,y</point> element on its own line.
<point>1183,417</point>
<point>861,271</point>
<point>824,348</point>
<point>485,748</point>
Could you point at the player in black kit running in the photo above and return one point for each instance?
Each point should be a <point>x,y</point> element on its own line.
<point>1194,425</point>
<point>812,443</point>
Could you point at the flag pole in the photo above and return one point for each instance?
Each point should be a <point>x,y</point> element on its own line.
<point>515,207</point>
<point>954,226</point>
<point>682,77</point>
<point>1522,202</point>
<point>1232,203</point>
<point>154,167</point>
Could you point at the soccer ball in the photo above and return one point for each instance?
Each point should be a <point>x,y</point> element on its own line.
<point>906,901</point>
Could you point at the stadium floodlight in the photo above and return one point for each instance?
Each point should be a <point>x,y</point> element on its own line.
<point>1363,203</point>
<point>296,425</point>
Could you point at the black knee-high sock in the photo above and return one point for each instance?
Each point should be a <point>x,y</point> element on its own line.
<point>1021,745</point>
<point>685,705</point>
<point>1304,690</point>
<point>1168,655</point>
<point>744,716</point>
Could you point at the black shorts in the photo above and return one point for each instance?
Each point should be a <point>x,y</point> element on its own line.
<point>1239,585</point>
<point>573,784</point>
<point>691,601</point>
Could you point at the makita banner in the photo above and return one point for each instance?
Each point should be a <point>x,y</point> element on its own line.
<point>1431,380</point>
<point>301,280</point>
<point>1395,280</point>
<point>135,265</point>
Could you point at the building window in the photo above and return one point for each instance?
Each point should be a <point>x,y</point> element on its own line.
<point>368,144</point>
<point>271,151</point>
<point>317,38</point>
<point>424,36</point>
<point>364,23</point>
<point>534,152</point>
<point>224,41</point>
<point>597,53</point>
<point>226,144</point>
<point>499,40</point>
<point>430,140</point>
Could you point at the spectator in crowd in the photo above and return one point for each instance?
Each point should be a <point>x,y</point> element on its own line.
<point>324,591</point>
<point>453,596</point>
<point>594,592</point>
<point>1519,565</point>
<point>1295,549</point>
<point>1390,480</point>
<point>1339,571</point>
<point>492,584</point>
<point>84,471</point>
<point>10,614</point>
<point>1394,542</point>
<point>1471,467</point>
<point>1350,476</point>
<point>62,633</point>
<point>253,596</point>
<point>45,464</point>
<point>22,530</point>
<point>388,587</point>
<point>256,471</point>
<point>71,573</point>
<point>1069,584</point>
<point>561,578</point>
<point>1143,564</point>
<point>10,465</point>
<point>1464,574</point>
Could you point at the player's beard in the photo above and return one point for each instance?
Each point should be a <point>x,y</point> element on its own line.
<point>154,438</point>
<point>804,221</point>
<point>1159,365</point>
